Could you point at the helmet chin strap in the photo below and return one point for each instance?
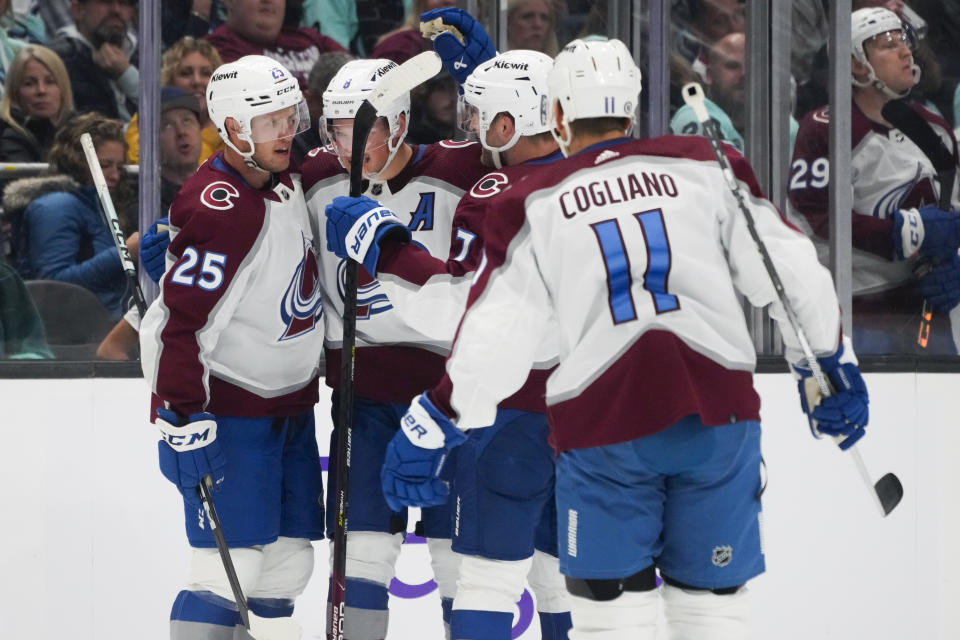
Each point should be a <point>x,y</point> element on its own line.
<point>373,177</point>
<point>877,83</point>
<point>562,141</point>
<point>246,155</point>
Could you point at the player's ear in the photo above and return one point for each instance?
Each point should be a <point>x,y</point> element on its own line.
<point>401,125</point>
<point>859,70</point>
<point>233,130</point>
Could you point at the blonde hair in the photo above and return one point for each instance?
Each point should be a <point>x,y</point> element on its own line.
<point>179,50</point>
<point>11,87</point>
<point>551,47</point>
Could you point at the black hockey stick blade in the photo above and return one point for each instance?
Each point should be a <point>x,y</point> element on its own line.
<point>889,491</point>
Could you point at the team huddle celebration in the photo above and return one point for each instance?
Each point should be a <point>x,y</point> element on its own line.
<point>529,322</point>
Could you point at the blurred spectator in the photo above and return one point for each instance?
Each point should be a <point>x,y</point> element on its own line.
<point>63,235</point>
<point>810,28</point>
<point>55,14</point>
<point>374,19</point>
<point>24,24</point>
<point>37,100</point>
<point>323,71</point>
<point>188,64</point>
<point>405,42</point>
<point>123,341</point>
<point>256,27</point>
<point>334,18</point>
<point>531,24</point>
<point>9,46</point>
<point>179,141</point>
<point>98,52</point>
<point>702,23</point>
<point>433,110</point>
<point>897,221</point>
<point>180,18</point>
<point>21,330</point>
<point>726,93</point>
<point>943,34</point>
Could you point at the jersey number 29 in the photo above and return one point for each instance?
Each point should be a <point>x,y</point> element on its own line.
<point>617,263</point>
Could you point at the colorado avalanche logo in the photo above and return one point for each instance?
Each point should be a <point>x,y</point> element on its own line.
<point>371,299</point>
<point>489,185</point>
<point>219,195</point>
<point>915,193</point>
<point>302,306</point>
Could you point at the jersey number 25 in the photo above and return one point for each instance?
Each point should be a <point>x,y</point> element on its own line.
<point>617,263</point>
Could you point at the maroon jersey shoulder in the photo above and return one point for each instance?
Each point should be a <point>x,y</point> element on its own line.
<point>456,163</point>
<point>320,164</point>
<point>212,195</point>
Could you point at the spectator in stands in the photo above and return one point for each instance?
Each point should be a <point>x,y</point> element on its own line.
<point>904,219</point>
<point>21,330</point>
<point>63,235</point>
<point>55,14</point>
<point>707,21</point>
<point>433,112</point>
<point>188,65</point>
<point>98,52</point>
<point>726,93</point>
<point>37,100</point>
<point>323,71</point>
<point>256,27</point>
<point>179,141</point>
<point>531,24</point>
<point>375,18</point>
<point>9,45</point>
<point>182,18</point>
<point>403,43</point>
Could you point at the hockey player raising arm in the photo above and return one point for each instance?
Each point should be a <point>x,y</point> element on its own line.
<point>639,250</point>
<point>231,350</point>
<point>504,476</point>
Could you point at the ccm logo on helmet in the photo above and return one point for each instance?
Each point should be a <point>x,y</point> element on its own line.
<point>489,185</point>
<point>219,195</point>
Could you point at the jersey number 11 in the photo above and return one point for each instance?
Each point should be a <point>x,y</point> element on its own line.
<point>617,263</point>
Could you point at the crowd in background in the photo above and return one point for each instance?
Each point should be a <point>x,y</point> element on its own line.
<point>71,66</point>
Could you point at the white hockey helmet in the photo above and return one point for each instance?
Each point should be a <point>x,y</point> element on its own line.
<point>514,82</point>
<point>250,90</point>
<point>869,23</point>
<point>594,79</point>
<point>347,91</point>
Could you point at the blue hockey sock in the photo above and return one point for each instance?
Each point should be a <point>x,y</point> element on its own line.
<point>473,624</point>
<point>554,626</point>
<point>447,605</point>
<point>271,607</point>
<point>205,607</point>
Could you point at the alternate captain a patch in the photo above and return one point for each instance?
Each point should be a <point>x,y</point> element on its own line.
<point>302,305</point>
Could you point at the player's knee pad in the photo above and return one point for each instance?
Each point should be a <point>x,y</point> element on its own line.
<point>632,614</point>
<point>701,614</point>
<point>286,570</point>
<point>372,555</point>
<point>491,585</point>
<point>603,590</point>
<point>446,565</point>
<point>548,584</point>
<point>207,574</point>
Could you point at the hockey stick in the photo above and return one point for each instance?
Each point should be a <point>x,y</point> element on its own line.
<point>258,628</point>
<point>110,219</point>
<point>911,124</point>
<point>394,84</point>
<point>887,491</point>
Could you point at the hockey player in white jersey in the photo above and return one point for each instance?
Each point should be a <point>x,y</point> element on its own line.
<point>423,184</point>
<point>639,250</point>
<point>231,349</point>
<point>504,477</point>
<point>899,217</point>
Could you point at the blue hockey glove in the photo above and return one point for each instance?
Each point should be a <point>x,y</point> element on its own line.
<point>928,231</point>
<point>845,413</point>
<point>189,451</point>
<point>415,457</point>
<point>356,226</point>
<point>153,249</point>
<point>460,59</point>
<point>941,285</point>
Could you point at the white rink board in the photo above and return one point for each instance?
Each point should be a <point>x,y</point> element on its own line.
<point>94,546</point>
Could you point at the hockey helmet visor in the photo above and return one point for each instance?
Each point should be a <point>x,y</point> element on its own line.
<point>282,123</point>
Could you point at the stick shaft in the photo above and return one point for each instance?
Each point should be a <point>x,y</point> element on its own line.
<point>113,224</point>
<point>207,500</point>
